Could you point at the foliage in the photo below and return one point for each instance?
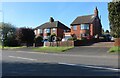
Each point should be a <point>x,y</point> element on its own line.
<point>114,49</point>
<point>8,32</point>
<point>58,39</point>
<point>114,18</point>
<point>38,39</point>
<point>7,28</point>
<point>25,35</point>
<point>103,31</point>
<point>72,39</point>
<point>11,41</point>
<point>51,36</point>
<point>107,31</point>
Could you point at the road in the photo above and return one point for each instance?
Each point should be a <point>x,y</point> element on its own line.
<point>24,63</point>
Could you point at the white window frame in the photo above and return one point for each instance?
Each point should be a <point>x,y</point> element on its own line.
<point>84,26</point>
<point>47,30</point>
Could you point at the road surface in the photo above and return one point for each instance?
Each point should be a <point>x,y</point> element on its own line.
<point>26,63</point>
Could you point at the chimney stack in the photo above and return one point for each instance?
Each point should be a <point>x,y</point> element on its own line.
<point>51,19</point>
<point>96,12</point>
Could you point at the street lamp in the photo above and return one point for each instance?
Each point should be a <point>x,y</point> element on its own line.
<point>2,33</point>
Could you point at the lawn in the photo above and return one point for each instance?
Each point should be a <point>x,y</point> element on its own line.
<point>114,49</point>
<point>52,49</point>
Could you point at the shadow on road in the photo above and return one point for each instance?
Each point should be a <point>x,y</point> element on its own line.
<point>51,69</point>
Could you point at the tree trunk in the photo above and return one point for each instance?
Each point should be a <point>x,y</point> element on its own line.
<point>117,42</point>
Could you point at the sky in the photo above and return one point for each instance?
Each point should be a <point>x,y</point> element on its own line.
<point>33,14</point>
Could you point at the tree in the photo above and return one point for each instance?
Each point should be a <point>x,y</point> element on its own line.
<point>7,29</point>
<point>103,31</point>
<point>25,35</point>
<point>114,18</point>
<point>8,33</point>
<point>107,31</point>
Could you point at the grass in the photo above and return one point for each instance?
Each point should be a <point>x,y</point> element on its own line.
<point>52,49</point>
<point>12,47</point>
<point>115,49</point>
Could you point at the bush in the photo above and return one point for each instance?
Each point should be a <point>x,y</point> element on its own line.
<point>83,38</point>
<point>74,39</point>
<point>38,41</point>
<point>11,42</point>
<point>25,35</point>
<point>51,36</point>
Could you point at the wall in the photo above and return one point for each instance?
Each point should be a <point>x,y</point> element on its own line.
<point>60,32</point>
<point>76,32</point>
<point>60,43</point>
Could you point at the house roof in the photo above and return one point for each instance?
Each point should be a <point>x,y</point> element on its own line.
<point>83,19</point>
<point>52,25</point>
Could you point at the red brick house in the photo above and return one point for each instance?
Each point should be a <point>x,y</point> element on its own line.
<point>88,25</point>
<point>51,27</point>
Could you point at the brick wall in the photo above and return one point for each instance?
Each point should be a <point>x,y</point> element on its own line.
<point>60,32</point>
<point>117,42</point>
<point>76,32</point>
<point>60,43</point>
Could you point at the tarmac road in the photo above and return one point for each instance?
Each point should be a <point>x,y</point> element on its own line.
<point>26,63</point>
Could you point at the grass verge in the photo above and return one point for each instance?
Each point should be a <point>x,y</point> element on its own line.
<point>52,49</point>
<point>12,47</point>
<point>115,49</point>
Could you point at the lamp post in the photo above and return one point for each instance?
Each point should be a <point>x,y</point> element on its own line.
<point>2,32</point>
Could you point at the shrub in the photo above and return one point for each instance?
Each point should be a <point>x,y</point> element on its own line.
<point>51,36</point>
<point>25,35</point>
<point>38,39</point>
<point>11,42</point>
<point>74,39</point>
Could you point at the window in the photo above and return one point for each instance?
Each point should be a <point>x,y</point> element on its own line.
<point>85,26</point>
<point>40,31</point>
<point>47,30</point>
<point>84,34</point>
<point>45,37</point>
<point>54,30</point>
<point>74,27</point>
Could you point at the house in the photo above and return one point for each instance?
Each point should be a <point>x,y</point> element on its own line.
<point>88,25</point>
<point>51,27</point>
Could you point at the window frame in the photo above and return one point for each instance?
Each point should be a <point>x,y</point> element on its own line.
<point>47,30</point>
<point>84,27</point>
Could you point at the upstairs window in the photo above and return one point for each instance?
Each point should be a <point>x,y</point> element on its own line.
<point>54,30</point>
<point>85,26</point>
<point>75,27</point>
<point>40,31</point>
<point>47,30</point>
